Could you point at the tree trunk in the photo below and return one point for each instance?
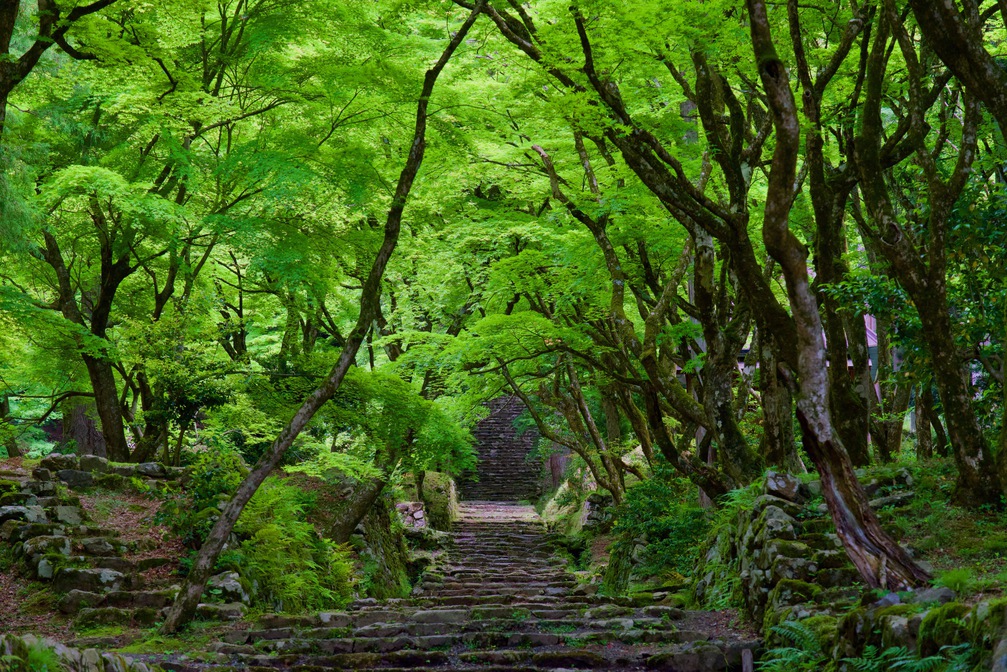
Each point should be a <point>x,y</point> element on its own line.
<point>880,561</point>
<point>79,427</point>
<point>978,481</point>
<point>10,443</point>
<point>187,600</point>
<point>924,442</point>
<point>106,401</point>
<point>778,446</point>
<point>354,509</point>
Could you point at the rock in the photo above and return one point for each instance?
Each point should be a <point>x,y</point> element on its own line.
<point>696,657</point>
<point>99,546</point>
<point>584,660</point>
<point>28,514</point>
<point>334,619</point>
<point>41,474</point>
<point>785,486</point>
<point>441,616</point>
<point>151,470</point>
<point>233,611</point>
<point>941,595</point>
<point>75,478</point>
<point>93,463</point>
<point>227,587</point>
<point>58,462</point>
<point>45,569</point>
<point>69,515</point>
<point>103,616</point>
<point>90,580</point>
<point>76,600</point>
<point>43,545</point>
<point>892,500</point>
<point>120,469</point>
<point>999,662</point>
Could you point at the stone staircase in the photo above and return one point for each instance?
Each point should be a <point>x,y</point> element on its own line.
<point>504,472</point>
<point>500,600</point>
<point>101,579</point>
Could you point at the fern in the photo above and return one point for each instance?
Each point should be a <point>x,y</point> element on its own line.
<point>804,656</point>
<point>895,658</point>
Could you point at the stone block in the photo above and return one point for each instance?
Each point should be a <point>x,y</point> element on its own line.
<point>47,544</point>
<point>785,486</point>
<point>74,478</point>
<point>68,515</point>
<point>75,600</point>
<point>58,462</point>
<point>90,580</point>
<point>93,463</point>
<point>151,470</point>
<point>27,514</point>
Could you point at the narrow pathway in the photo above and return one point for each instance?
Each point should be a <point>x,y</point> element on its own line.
<point>503,601</point>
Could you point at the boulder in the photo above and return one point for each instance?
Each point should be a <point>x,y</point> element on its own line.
<point>785,486</point>
<point>93,463</point>
<point>99,546</point>
<point>940,595</point>
<point>103,616</point>
<point>41,474</point>
<point>27,514</point>
<point>69,515</point>
<point>90,580</point>
<point>222,612</point>
<point>75,478</point>
<point>58,462</point>
<point>151,470</point>
<point>76,600</point>
<point>49,544</point>
<point>227,587</point>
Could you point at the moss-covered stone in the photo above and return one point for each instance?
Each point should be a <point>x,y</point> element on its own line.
<point>943,626</point>
<point>824,626</point>
<point>440,499</point>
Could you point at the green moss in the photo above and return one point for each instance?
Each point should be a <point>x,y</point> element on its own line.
<point>898,610</point>
<point>8,486</point>
<point>825,627</point>
<point>943,626</point>
<point>794,588</point>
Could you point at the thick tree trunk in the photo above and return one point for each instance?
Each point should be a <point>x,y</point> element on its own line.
<point>106,402</point>
<point>79,427</point>
<point>192,589</point>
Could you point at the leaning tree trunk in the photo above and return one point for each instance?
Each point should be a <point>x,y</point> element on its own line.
<point>880,561</point>
<point>778,448</point>
<point>185,604</point>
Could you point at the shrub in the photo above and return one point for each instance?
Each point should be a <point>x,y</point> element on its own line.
<point>289,566</point>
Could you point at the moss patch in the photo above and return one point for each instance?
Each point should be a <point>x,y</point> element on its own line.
<point>943,626</point>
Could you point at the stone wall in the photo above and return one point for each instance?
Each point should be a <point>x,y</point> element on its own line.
<point>781,560</point>
<point>504,472</point>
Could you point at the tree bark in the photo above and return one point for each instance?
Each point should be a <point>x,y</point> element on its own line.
<point>106,401</point>
<point>185,604</point>
<point>79,427</point>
